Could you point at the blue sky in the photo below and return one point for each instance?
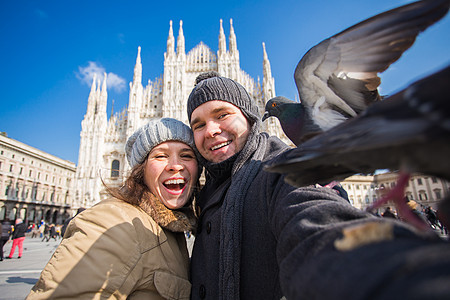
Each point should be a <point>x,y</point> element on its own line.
<point>48,48</point>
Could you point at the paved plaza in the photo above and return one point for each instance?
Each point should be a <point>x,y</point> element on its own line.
<point>17,276</point>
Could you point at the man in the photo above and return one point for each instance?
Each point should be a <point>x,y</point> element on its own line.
<point>18,237</point>
<point>260,238</point>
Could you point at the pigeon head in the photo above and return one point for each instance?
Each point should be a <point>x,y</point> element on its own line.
<point>296,123</point>
<point>275,107</point>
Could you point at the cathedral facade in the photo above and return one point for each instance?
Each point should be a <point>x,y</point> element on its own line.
<point>102,141</point>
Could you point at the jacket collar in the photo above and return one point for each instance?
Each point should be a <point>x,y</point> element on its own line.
<point>179,220</point>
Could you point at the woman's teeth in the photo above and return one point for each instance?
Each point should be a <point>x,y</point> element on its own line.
<point>175,184</point>
<point>220,145</point>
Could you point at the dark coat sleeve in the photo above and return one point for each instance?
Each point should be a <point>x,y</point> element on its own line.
<point>389,261</point>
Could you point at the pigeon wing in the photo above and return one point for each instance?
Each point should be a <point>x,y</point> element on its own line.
<point>338,78</point>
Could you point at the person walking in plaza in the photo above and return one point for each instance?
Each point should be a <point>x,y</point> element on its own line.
<point>132,245</point>
<point>34,231</point>
<point>51,232</point>
<point>46,232</point>
<point>5,229</point>
<point>41,230</point>
<point>18,236</point>
<point>261,238</point>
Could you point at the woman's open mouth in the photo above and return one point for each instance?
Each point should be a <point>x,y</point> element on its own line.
<point>175,185</point>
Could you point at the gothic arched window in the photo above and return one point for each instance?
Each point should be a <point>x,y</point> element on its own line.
<point>115,167</point>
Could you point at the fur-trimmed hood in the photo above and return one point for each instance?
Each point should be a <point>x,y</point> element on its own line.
<point>179,220</point>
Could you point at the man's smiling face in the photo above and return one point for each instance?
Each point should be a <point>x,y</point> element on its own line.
<point>220,130</point>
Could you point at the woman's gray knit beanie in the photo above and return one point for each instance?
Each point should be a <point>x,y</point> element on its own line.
<point>210,86</point>
<point>155,132</point>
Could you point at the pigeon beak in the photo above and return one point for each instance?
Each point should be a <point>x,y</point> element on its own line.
<point>265,116</point>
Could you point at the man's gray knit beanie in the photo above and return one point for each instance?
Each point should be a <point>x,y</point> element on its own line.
<point>210,86</point>
<point>155,132</point>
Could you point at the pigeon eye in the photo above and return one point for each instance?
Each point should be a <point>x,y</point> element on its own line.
<point>274,104</point>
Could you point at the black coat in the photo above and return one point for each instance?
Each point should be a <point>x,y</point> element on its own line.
<point>19,231</point>
<point>288,244</point>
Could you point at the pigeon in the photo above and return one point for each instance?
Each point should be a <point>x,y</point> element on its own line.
<point>338,78</point>
<point>408,131</point>
<point>410,128</point>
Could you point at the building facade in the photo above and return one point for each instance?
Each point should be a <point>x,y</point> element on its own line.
<point>34,185</point>
<point>102,140</point>
<point>361,190</point>
<point>425,190</point>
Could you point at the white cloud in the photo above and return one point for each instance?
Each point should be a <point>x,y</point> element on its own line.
<point>116,82</point>
<point>113,81</point>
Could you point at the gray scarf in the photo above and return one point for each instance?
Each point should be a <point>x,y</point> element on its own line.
<point>244,170</point>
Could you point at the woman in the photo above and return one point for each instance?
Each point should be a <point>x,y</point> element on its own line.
<point>132,246</point>
<point>18,236</point>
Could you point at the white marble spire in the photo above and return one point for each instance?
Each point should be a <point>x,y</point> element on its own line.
<point>268,80</point>
<point>170,42</point>
<point>266,64</point>
<point>222,40</point>
<point>180,40</point>
<point>232,42</point>
<point>137,76</point>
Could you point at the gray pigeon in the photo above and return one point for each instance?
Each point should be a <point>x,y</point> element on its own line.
<point>409,131</point>
<point>410,128</point>
<point>338,78</point>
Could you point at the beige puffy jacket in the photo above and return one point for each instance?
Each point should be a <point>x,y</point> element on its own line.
<point>115,250</point>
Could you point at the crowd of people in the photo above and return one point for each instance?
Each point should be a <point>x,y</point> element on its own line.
<point>423,212</point>
<point>256,237</point>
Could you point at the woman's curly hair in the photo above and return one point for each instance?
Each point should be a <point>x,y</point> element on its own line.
<point>133,188</point>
